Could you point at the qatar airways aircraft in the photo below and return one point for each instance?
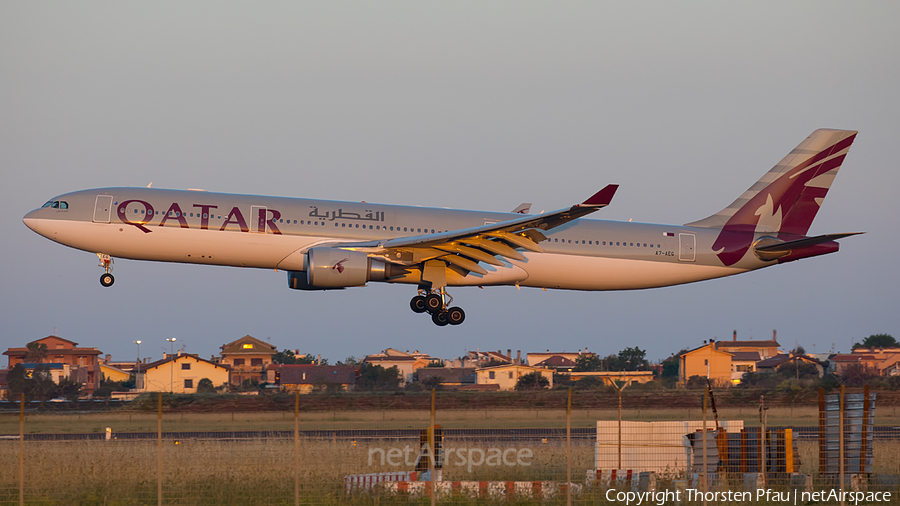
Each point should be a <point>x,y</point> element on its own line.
<point>326,245</point>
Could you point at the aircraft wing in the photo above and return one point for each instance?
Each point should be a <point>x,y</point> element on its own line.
<point>464,248</point>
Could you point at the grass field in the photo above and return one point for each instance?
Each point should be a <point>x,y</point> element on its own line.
<point>261,471</point>
<point>122,421</point>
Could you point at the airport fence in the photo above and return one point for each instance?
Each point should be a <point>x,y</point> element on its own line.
<point>839,453</point>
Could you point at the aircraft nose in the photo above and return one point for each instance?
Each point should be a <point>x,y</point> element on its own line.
<point>31,219</point>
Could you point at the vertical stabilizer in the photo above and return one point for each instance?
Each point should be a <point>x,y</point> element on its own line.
<point>786,199</point>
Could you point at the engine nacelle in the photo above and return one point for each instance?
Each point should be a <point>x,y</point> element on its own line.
<point>331,268</point>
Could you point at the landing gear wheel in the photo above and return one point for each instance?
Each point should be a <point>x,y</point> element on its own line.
<point>417,304</point>
<point>434,303</point>
<point>107,279</point>
<point>440,318</point>
<point>455,315</point>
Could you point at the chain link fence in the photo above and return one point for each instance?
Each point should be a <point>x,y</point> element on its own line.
<point>635,455</point>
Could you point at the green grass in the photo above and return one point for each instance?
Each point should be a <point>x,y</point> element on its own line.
<point>124,421</point>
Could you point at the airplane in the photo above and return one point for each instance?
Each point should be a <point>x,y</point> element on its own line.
<point>331,245</point>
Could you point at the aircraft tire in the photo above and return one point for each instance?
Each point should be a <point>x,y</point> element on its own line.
<point>433,303</point>
<point>107,279</point>
<point>417,304</point>
<point>456,315</point>
<point>440,318</point>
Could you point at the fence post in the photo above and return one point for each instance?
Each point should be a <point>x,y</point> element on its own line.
<point>841,445</point>
<point>22,450</point>
<point>705,485</point>
<point>159,493</point>
<point>569,449</point>
<point>431,453</point>
<point>297,447</point>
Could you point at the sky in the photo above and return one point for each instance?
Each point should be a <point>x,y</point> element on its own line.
<point>471,105</point>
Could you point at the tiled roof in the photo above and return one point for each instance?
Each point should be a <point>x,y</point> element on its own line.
<point>744,356</point>
<point>309,374</point>
<point>172,358</point>
<point>771,343</point>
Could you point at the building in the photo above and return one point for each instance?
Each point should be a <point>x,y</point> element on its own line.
<point>887,358</point>
<point>707,362</point>
<point>536,358</point>
<point>64,359</point>
<point>4,388</point>
<point>742,362</point>
<point>839,363</point>
<point>628,378</point>
<point>452,378</point>
<point>407,363</point>
<point>558,363</point>
<point>506,376</point>
<point>480,358</point>
<point>308,377</point>
<point>111,373</point>
<point>247,358</point>
<point>180,373</point>
<point>765,349</point>
<point>771,365</point>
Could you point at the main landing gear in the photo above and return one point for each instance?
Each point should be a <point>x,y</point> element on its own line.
<point>435,303</point>
<point>106,262</point>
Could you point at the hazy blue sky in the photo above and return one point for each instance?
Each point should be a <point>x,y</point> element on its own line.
<point>477,105</point>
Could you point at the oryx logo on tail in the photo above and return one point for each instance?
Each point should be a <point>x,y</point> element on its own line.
<point>784,202</point>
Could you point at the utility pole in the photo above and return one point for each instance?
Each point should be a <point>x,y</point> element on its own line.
<point>137,375</point>
<point>172,364</point>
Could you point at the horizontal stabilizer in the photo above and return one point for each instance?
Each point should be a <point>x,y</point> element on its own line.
<point>803,243</point>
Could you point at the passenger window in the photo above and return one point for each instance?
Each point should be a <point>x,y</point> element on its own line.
<point>63,204</point>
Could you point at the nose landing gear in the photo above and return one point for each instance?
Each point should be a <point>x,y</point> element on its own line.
<point>436,303</point>
<point>106,262</point>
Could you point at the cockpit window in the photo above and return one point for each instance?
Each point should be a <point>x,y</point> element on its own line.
<point>56,204</point>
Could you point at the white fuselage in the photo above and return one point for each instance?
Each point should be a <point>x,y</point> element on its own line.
<point>274,233</point>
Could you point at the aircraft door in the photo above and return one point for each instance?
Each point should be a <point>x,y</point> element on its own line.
<point>687,245</point>
<point>102,208</point>
<point>258,215</point>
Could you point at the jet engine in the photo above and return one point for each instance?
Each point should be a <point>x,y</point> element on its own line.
<point>332,268</point>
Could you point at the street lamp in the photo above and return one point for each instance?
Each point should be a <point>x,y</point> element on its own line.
<point>138,374</point>
<point>172,365</point>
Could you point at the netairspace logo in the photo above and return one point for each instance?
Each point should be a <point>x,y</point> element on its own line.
<point>460,457</point>
<point>768,496</point>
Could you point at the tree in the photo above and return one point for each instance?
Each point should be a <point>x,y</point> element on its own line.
<point>799,351</point>
<point>376,377</point>
<point>69,389</point>
<point>435,363</point>
<point>205,386</point>
<point>351,360</point>
<point>631,359</point>
<point>432,382</point>
<point>532,381</point>
<point>878,341</point>
<point>41,386</point>
<point>284,357</point>
<point>857,375</point>
<point>16,381</point>
<point>671,365</point>
<point>589,383</point>
<point>36,353</point>
<point>587,363</point>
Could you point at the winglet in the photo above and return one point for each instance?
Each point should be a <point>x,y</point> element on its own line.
<point>601,198</point>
